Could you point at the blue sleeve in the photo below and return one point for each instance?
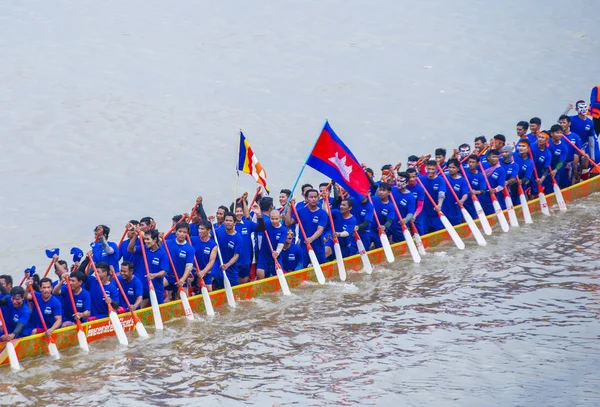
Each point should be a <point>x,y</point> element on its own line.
<point>323,218</point>
<point>299,258</point>
<point>189,256</point>
<point>412,205</point>
<point>237,248</point>
<point>138,287</point>
<point>116,249</point>
<point>114,294</point>
<point>281,239</point>
<point>501,177</point>
<point>165,264</point>
<point>87,301</point>
<point>441,184</point>
<point>56,307</point>
<point>369,213</point>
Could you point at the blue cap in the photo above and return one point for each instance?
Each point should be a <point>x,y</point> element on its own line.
<point>30,270</point>
<point>77,253</point>
<point>51,252</point>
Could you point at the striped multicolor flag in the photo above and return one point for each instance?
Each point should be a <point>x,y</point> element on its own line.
<point>249,164</point>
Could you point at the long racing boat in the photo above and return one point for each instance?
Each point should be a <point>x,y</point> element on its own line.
<point>36,345</point>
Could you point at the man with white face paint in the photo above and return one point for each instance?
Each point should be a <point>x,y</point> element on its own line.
<point>464,150</point>
<point>584,127</point>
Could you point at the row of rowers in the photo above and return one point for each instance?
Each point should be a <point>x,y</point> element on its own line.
<point>190,253</point>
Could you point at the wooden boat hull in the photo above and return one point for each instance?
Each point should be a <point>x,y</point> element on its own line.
<point>36,345</point>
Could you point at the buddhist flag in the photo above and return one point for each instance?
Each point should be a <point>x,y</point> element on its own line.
<point>331,157</point>
<point>249,164</point>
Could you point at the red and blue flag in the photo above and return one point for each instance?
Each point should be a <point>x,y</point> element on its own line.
<point>331,157</point>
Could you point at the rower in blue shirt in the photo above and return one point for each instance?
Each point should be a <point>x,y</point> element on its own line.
<point>132,286</point>
<point>104,250</point>
<point>81,297</point>
<point>314,220</point>
<point>436,187</point>
<point>16,313</point>
<point>291,254</point>
<point>572,172</point>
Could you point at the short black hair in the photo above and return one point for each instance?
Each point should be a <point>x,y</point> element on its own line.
<point>309,191</point>
<point>182,225</point>
<point>18,290</point>
<point>229,214</point>
<point>146,219</point>
<point>7,279</point>
<point>286,191</point>
<point>454,161</point>
<point>523,124</point>
<point>431,163</point>
<point>176,218</point>
<point>265,203</point>
<point>535,120</point>
<point>500,137</point>
<point>128,264</point>
<point>480,138</point>
<point>473,157</point>
<point>385,186</point>
<point>440,151</point>
<point>564,117</point>
<point>492,151</point>
<point>303,187</point>
<point>101,266</point>
<point>555,128</point>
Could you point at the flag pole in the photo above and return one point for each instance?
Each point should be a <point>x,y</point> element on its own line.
<point>302,170</point>
<point>237,171</point>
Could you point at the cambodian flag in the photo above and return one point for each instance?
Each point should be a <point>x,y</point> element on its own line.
<point>331,157</point>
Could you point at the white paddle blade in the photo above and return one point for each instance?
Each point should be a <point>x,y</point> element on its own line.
<point>285,289</point>
<point>364,256</point>
<point>186,305</point>
<point>207,302</point>
<point>119,331</point>
<point>500,215</point>
<point>411,246</point>
<point>340,260</point>
<point>228,291</point>
<point>485,224</point>
<point>53,350</point>
<point>419,243</point>
<point>562,205</point>
<point>141,330</point>
<point>452,232</point>
<point>474,229</point>
<point>12,356</point>
<point>387,249</point>
<point>544,204</point>
<point>512,215</point>
<point>316,266</point>
<point>158,323</point>
<point>83,344</point>
<point>525,209</point>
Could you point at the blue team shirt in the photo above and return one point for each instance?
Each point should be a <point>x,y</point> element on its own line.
<point>132,289</point>
<point>182,255</point>
<point>13,316</point>
<point>384,211</point>
<point>585,129</point>
<point>450,206</point>
<point>83,302</point>
<point>525,166</point>
<point>50,309</point>
<point>558,152</point>
<point>245,228</point>
<point>229,246</point>
<point>99,308</point>
<point>575,139</point>
<point>347,244</point>
<point>311,222</point>
<point>158,261</point>
<point>99,255</point>
<point>139,269</point>
<point>434,187</point>
<point>541,159</point>
<point>203,250</point>
<point>291,258</point>
<point>511,169</point>
<point>277,237</point>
